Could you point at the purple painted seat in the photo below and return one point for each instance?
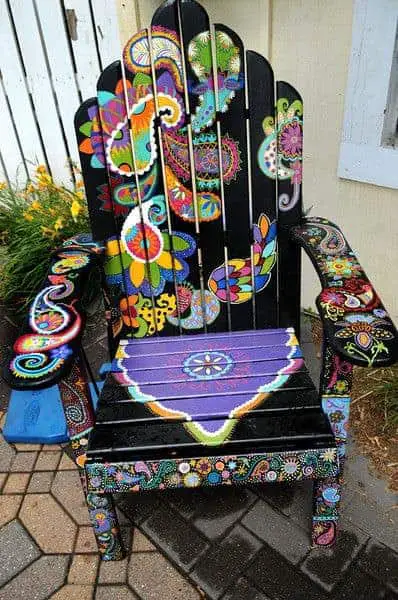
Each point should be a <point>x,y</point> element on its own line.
<point>202,386</point>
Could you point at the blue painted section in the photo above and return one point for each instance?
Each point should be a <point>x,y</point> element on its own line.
<point>37,417</point>
<point>104,369</point>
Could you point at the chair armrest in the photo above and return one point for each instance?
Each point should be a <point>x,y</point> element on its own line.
<point>355,322</point>
<point>46,348</point>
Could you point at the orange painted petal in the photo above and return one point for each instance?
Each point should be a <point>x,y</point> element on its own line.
<point>264,225</point>
<point>119,89</point>
<point>86,147</point>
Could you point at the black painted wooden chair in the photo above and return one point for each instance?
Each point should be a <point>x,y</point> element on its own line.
<point>192,162</point>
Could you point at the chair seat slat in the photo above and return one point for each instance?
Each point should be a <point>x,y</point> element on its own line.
<point>172,438</point>
<point>247,356</point>
<point>114,393</point>
<point>242,339</point>
<point>283,401</point>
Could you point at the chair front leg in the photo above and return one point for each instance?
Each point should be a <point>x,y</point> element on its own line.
<point>336,382</point>
<point>104,520</point>
<point>80,418</point>
<point>326,499</point>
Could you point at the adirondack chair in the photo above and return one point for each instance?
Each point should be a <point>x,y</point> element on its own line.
<point>192,163</point>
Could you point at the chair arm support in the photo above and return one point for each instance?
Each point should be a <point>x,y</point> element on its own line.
<point>46,348</point>
<point>355,322</point>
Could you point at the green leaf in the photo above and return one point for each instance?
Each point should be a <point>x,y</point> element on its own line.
<point>166,241</point>
<point>179,243</point>
<point>154,273</point>
<point>113,266</point>
<point>268,264</point>
<point>126,259</point>
<point>86,128</point>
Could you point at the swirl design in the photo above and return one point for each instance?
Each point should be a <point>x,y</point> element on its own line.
<point>34,365</point>
<point>53,325</point>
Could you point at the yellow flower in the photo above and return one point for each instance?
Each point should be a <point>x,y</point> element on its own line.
<point>79,184</point>
<point>30,189</point>
<point>48,232</point>
<point>3,185</point>
<point>58,224</point>
<point>80,195</point>
<point>35,205</point>
<point>75,209</point>
<point>27,216</point>
<point>44,180</point>
<point>41,169</point>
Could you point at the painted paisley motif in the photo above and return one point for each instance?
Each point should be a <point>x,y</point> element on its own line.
<point>280,154</point>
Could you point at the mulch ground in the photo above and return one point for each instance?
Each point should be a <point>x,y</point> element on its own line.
<point>374,434</point>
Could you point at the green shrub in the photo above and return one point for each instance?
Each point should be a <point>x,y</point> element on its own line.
<point>33,222</point>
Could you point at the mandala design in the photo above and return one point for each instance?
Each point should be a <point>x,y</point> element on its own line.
<point>147,258</point>
<point>208,365</point>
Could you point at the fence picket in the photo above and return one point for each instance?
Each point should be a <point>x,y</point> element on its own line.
<point>62,73</point>
<point>107,32</point>
<point>18,96</point>
<point>84,47</point>
<point>51,53</point>
<point>9,149</point>
<point>39,82</point>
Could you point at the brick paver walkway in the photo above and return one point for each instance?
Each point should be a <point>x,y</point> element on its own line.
<point>234,544</point>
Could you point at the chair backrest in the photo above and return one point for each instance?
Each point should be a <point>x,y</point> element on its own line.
<point>192,161</point>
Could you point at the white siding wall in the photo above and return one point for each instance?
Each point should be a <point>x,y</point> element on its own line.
<point>311,46</point>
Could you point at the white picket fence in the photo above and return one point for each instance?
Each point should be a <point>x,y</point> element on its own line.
<point>51,54</point>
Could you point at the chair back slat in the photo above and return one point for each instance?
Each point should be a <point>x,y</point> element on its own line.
<point>89,138</point>
<point>261,96</point>
<point>102,215</point>
<point>232,118</point>
<point>201,104</point>
<point>289,108</point>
